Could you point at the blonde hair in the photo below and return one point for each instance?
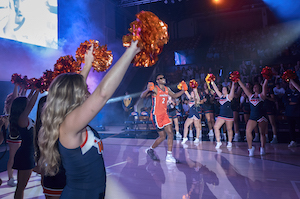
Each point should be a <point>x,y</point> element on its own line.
<point>66,92</point>
<point>7,104</point>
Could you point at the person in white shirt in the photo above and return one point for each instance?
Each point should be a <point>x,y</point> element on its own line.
<point>278,90</point>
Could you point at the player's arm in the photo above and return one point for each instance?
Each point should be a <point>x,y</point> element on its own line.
<point>150,88</point>
<point>175,95</point>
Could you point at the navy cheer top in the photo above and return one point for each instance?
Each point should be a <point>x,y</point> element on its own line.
<point>84,165</point>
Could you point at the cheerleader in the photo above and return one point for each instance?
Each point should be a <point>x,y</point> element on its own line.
<point>13,144</point>
<point>226,113</point>
<point>193,117</point>
<point>257,115</point>
<point>208,108</point>
<point>172,112</point>
<point>291,100</point>
<point>22,126</point>
<point>245,104</point>
<point>270,107</point>
<point>236,109</point>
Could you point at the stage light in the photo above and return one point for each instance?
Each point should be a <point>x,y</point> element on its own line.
<point>285,10</point>
<point>172,1</point>
<point>216,1</point>
<point>166,1</point>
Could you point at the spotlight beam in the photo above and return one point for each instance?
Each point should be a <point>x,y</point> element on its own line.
<point>133,95</point>
<point>128,3</point>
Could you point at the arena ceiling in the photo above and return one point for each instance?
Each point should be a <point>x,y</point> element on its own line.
<point>178,9</point>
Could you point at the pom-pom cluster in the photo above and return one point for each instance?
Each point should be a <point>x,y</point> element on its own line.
<point>179,86</point>
<point>193,83</point>
<point>182,86</point>
<point>210,77</point>
<point>102,57</point>
<point>26,83</point>
<point>152,34</point>
<point>288,75</point>
<point>235,76</point>
<point>267,73</point>
<point>66,64</point>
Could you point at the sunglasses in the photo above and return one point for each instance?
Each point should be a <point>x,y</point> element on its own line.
<point>160,78</point>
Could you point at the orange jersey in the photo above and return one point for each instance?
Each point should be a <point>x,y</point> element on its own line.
<point>159,102</point>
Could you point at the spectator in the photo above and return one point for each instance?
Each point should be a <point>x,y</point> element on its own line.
<point>225,83</point>
<point>190,73</point>
<point>185,106</point>
<point>202,73</point>
<point>278,90</point>
<point>184,74</point>
<point>281,70</point>
<point>127,105</point>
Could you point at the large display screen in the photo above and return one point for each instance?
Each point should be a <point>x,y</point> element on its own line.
<point>30,21</point>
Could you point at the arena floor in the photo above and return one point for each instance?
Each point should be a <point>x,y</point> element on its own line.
<point>203,172</point>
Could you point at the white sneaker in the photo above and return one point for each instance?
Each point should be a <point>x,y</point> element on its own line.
<point>251,151</point>
<point>184,140</point>
<point>218,145</point>
<point>274,141</point>
<point>267,139</point>
<point>256,139</point>
<point>191,134</point>
<point>262,151</point>
<point>229,145</point>
<point>178,135</point>
<point>236,137</point>
<point>196,141</point>
<point>11,182</point>
<point>211,133</point>
<point>170,158</point>
<point>292,144</point>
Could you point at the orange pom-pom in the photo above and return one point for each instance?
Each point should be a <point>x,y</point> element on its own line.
<point>46,80</point>
<point>34,83</point>
<point>102,57</point>
<point>66,64</point>
<point>288,75</point>
<point>235,76</point>
<point>151,86</point>
<point>193,83</point>
<point>182,86</point>
<point>152,34</point>
<point>179,86</point>
<point>210,77</point>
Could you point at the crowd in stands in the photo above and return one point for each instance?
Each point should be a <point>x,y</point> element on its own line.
<point>270,42</point>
